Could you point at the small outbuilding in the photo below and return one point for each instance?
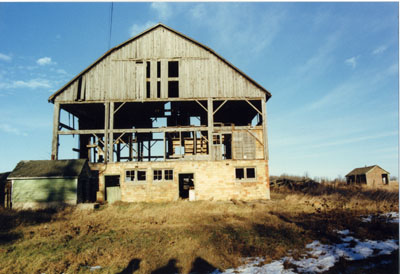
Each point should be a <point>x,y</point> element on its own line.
<point>373,176</point>
<point>48,183</point>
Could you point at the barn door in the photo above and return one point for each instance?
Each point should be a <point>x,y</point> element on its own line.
<point>113,189</point>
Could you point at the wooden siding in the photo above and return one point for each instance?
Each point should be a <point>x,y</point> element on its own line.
<point>44,191</point>
<point>121,76</point>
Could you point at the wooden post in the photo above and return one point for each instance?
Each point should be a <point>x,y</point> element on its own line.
<point>111,134</point>
<point>106,120</point>
<point>264,124</point>
<point>165,145</point>
<point>210,127</point>
<point>56,120</point>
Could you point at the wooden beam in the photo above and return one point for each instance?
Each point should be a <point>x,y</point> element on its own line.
<point>210,128</point>
<point>119,107</point>
<point>106,124</point>
<point>111,134</point>
<point>197,101</point>
<point>255,137</point>
<point>62,125</point>
<point>54,143</point>
<point>220,106</point>
<point>265,131</point>
<point>254,106</point>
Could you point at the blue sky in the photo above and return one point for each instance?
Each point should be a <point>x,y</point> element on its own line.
<point>332,69</point>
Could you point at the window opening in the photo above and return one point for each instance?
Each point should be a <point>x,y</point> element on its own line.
<point>141,175</point>
<point>147,89</point>
<point>158,69</point>
<point>158,89</point>
<point>148,69</point>
<point>173,89</point>
<point>239,173</point>
<point>168,174</point>
<point>173,69</point>
<point>157,175</point>
<point>130,176</point>
<point>251,173</point>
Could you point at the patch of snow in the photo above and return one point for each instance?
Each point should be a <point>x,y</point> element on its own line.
<point>94,268</point>
<point>320,257</point>
<point>392,217</point>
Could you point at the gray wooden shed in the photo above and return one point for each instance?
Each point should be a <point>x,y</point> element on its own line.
<point>47,183</point>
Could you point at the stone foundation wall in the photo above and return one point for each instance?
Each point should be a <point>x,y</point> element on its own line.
<point>213,180</point>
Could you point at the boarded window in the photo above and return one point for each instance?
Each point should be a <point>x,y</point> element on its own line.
<point>168,174</point>
<point>157,175</point>
<point>141,174</point>
<point>173,69</point>
<point>130,176</point>
<point>173,89</point>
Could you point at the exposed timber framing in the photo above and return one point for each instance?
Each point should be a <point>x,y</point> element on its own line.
<point>54,143</point>
<point>264,125</point>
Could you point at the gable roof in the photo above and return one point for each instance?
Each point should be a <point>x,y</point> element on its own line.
<point>364,170</point>
<point>48,169</point>
<point>54,95</point>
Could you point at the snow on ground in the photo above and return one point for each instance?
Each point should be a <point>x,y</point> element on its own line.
<point>391,217</point>
<point>320,257</point>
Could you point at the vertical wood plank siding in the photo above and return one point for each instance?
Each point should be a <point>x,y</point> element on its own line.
<point>118,76</point>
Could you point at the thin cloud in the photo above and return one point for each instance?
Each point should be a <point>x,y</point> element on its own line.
<point>135,29</point>
<point>44,61</point>
<point>31,84</point>
<point>11,130</point>
<point>352,61</point>
<point>379,50</point>
<point>5,57</point>
<point>163,9</point>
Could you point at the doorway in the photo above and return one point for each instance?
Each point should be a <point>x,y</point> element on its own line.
<point>113,189</point>
<point>185,184</point>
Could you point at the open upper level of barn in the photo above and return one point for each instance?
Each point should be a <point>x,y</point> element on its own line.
<point>162,87</point>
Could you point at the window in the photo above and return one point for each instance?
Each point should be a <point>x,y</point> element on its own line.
<point>157,175</point>
<point>173,89</point>
<point>251,173</point>
<point>158,89</point>
<point>148,69</point>
<point>147,89</point>
<point>240,173</point>
<point>130,176</point>
<point>173,69</point>
<point>244,173</point>
<point>141,175</point>
<point>168,174</point>
<point>158,69</point>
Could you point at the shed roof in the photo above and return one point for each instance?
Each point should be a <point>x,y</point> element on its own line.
<point>54,95</point>
<point>48,169</point>
<point>364,170</point>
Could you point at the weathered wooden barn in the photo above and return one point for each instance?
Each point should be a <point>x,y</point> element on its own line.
<point>5,190</point>
<point>48,183</point>
<point>373,176</point>
<point>161,116</point>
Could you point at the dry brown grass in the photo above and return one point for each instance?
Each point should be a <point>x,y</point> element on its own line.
<point>184,235</point>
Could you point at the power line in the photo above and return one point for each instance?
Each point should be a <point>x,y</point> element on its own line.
<point>111,19</point>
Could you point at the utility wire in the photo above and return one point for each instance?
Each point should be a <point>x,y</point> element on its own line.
<point>111,19</point>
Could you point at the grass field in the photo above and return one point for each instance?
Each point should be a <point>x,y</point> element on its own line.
<point>187,236</point>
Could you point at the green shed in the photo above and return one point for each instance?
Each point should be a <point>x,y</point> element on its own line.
<point>48,183</point>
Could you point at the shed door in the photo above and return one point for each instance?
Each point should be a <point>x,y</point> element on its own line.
<point>113,189</point>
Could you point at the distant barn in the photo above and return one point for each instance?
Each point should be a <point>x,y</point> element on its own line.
<point>162,117</point>
<point>46,183</point>
<point>372,176</point>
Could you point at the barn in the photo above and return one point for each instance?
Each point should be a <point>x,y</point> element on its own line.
<point>48,183</point>
<point>373,176</point>
<point>162,117</point>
